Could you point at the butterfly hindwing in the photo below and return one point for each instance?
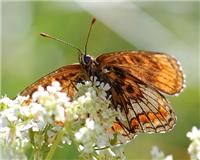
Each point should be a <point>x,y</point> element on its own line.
<point>143,109</point>
<point>155,69</point>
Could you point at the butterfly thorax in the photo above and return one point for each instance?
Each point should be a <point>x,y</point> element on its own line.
<point>88,65</point>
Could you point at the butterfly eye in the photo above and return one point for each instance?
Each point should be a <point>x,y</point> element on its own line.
<point>87,59</point>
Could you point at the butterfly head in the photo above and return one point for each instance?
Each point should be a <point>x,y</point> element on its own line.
<point>85,60</point>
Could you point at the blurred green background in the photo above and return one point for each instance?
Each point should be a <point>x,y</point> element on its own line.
<point>171,27</point>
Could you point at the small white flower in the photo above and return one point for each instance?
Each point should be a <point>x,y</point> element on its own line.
<point>38,93</point>
<point>20,99</point>
<point>62,98</point>
<point>25,111</point>
<point>55,86</point>
<point>102,85</point>
<point>80,148</point>
<point>156,154</point>
<point>6,101</point>
<point>169,157</point>
<point>37,127</point>
<point>93,79</point>
<point>194,134</point>
<point>106,87</point>
<point>194,147</point>
<point>97,83</point>
<point>90,124</point>
<point>80,134</point>
<point>11,114</point>
<point>38,112</point>
<point>60,114</point>
<point>24,126</point>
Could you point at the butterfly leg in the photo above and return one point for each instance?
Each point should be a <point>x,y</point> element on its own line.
<point>73,84</point>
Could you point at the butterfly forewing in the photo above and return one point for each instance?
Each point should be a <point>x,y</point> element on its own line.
<point>156,69</point>
<point>67,76</point>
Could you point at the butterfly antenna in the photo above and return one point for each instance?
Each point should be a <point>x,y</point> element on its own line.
<point>61,41</point>
<point>92,22</point>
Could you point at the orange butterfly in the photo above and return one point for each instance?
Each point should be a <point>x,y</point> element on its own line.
<point>137,79</point>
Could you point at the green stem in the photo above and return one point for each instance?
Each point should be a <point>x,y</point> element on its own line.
<point>54,146</point>
<point>31,156</point>
<point>106,147</point>
<point>38,155</point>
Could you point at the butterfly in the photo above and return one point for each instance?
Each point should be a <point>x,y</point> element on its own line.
<point>138,80</point>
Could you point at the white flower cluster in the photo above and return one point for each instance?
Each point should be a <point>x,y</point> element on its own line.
<point>95,134</point>
<point>156,154</point>
<point>194,147</point>
<point>39,120</point>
